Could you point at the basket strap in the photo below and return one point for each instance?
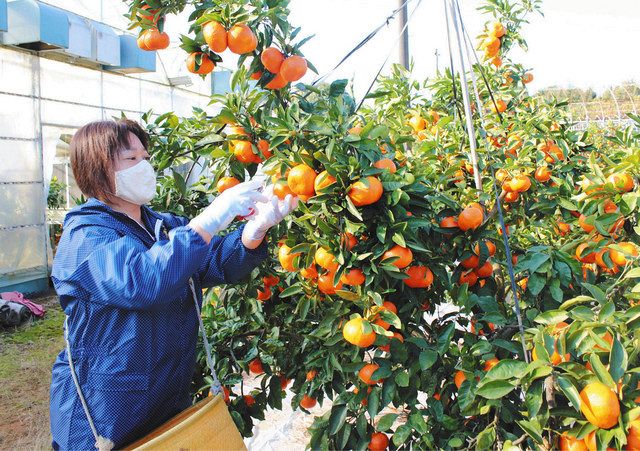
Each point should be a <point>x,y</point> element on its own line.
<point>216,386</point>
<point>102,443</point>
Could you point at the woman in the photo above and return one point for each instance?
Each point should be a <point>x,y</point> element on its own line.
<point>122,273</point>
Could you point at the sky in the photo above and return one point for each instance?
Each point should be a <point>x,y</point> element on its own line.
<point>581,43</point>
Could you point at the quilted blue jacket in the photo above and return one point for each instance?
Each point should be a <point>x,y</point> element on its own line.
<point>132,324</point>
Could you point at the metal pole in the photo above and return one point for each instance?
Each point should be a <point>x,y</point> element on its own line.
<point>404,41</point>
<point>466,101</point>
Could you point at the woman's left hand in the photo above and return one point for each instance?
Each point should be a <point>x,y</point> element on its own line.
<point>268,214</point>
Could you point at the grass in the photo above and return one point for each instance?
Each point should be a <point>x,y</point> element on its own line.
<point>27,354</point>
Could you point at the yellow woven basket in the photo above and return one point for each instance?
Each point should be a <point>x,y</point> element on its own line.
<point>206,425</point>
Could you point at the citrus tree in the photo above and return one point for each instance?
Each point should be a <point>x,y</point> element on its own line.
<point>395,223</point>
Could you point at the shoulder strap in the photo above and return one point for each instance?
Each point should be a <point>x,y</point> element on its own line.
<point>102,443</point>
<point>216,386</point>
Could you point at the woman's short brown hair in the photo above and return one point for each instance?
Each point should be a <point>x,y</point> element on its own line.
<point>94,149</point>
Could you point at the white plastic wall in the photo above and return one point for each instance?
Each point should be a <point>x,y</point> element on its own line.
<point>41,99</point>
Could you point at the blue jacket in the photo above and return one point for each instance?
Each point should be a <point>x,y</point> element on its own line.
<point>132,324</point>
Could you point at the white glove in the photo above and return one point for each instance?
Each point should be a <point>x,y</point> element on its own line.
<point>268,214</point>
<point>239,200</point>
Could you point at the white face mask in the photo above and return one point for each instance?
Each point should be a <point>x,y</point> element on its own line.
<point>136,184</point>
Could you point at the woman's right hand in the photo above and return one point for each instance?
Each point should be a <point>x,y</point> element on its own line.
<point>239,200</point>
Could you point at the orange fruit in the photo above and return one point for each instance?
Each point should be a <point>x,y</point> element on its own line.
<point>459,378</point>
<point>151,16</point>
<point>491,45</point>
<point>499,107</point>
<point>449,222</point>
<point>527,78</point>
<point>490,247</point>
<point>470,218</point>
<point>619,258</point>
<point>386,163</point>
<point>293,68</point>
<point>511,197</point>
<point>301,180</point>
<point>249,400</point>
<point>555,358</point>
<point>243,151</point>
<point>278,82</point>
<point>609,206</point>
<point>309,273</point>
<point>284,382</point>
<point>307,402</point>
<point>469,278</point>
<point>325,283</point>
<point>543,174</point>
<point>323,180</point>
<point>272,59</point>
<point>485,270</point>
<point>241,39</point>
<point>518,184</point>
<point>286,258</point>
<point>281,189</point>
<point>405,256</point>
<point>353,332</point>
<point>227,394</point>
<point>419,277</point>
<point>496,29</point>
<point>586,227</point>
<point>365,191</point>
<point>255,366</point>
<point>365,373</point>
<point>568,443</point>
<point>417,123</point>
<point>353,277</point>
<point>355,130</point>
<point>326,259</point>
<point>263,147</point>
<point>396,336</point>
<point>379,442</point>
<point>496,61</point>
<point>206,65</point>
<point>622,182</point>
<point>470,262</point>
<point>386,305</point>
<point>256,75</point>
<point>215,35</point>
<point>349,240</point>
<point>225,183</point>
<point>562,228</point>
<point>633,436</point>
<point>600,405</point>
<point>270,281</point>
<point>311,374</point>
<point>152,39</point>
<point>490,363</point>
<point>589,258</point>
<point>264,295</point>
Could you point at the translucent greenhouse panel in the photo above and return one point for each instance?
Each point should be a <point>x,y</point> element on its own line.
<point>121,92</point>
<point>17,117</point>
<point>22,255</point>
<point>183,103</point>
<point>74,84</point>
<point>155,97</point>
<point>109,113</point>
<point>13,70</point>
<point>54,112</point>
<point>20,161</point>
<point>21,204</point>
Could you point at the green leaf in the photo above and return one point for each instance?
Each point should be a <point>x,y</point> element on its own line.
<point>536,283</point>
<point>401,434</point>
<point>290,291</point>
<point>551,317</point>
<point>427,358</point>
<point>601,371</point>
<point>507,369</point>
<point>596,292</point>
<point>570,391</point>
<point>486,439</point>
<point>386,421</point>
<point>402,379</point>
<point>416,420</point>
<point>533,398</point>
<point>575,301</point>
<point>337,87</point>
<point>617,360</point>
<point>533,429</point>
<point>444,339</point>
<point>337,419</point>
<point>495,389</point>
